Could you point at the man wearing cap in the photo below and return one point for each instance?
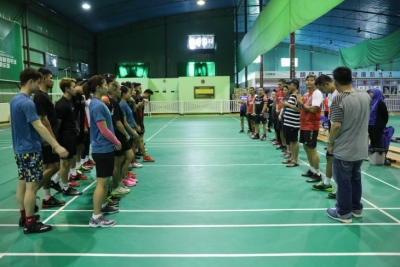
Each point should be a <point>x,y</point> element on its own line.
<point>309,126</point>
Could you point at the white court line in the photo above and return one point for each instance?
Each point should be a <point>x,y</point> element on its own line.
<point>161,129</point>
<point>245,124</point>
<point>332,224</point>
<point>226,165</point>
<point>216,255</point>
<point>373,177</point>
<point>202,211</point>
<point>5,147</point>
<point>69,202</point>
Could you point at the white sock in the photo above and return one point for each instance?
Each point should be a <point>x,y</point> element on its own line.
<point>56,178</point>
<point>104,205</point>
<point>73,171</point>
<point>95,217</point>
<point>312,170</point>
<point>327,181</point>
<point>65,186</point>
<point>46,194</point>
<point>317,172</point>
<point>78,164</point>
<point>83,161</point>
<point>87,158</point>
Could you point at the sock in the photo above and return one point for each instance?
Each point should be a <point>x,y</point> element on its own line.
<point>46,194</point>
<point>312,169</point>
<point>317,172</point>
<point>104,205</point>
<point>65,186</point>
<point>83,161</point>
<point>23,215</point>
<point>29,220</point>
<point>78,164</point>
<point>73,171</point>
<point>327,181</point>
<point>86,158</point>
<point>56,178</point>
<point>95,217</point>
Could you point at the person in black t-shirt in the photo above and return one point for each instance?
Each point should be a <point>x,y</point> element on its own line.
<point>51,161</point>
<point>259,109</point>
<point>67,133</point>
<point>120,172</point>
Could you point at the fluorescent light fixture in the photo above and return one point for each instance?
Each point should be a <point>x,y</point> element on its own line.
<point>201,42</point>
<point>86,6</point>
<point>285,62</point>
<point>200,2</point>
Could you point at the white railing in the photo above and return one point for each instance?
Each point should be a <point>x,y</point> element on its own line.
<point>393,104</point>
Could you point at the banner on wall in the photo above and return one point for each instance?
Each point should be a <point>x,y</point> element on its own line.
<point>356,74</point>
<point>10,50</point>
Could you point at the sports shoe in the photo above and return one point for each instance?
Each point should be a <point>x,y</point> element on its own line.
<point>111,202</point>
<point>256,136</point>
<point>55,186</point>
<point>314,178</point>
<point>322,187</point>
<point>21,222</point>
<point>78,171</point>
<point>332,213</point>
<point>129,182</point>
<point>114,197</point>
<point>281,147</point>
<point>148,159</point>
<point>133,179</point>
<point>90,162</point>
<point>273,140</point>
<point>101,222</point>
<point>37,227</point>
<point>71,192</point>
<point>84,168</point>
<point>78,177</point>
<point>73,183</point>
<point>241,131</point>
<point>131,174</point>
<point>109,210</point>
<point>136,164</point>
<point>264,137</point>
<point>331,195</point>
<point>120,191</point>
<point>251,133</point>
<point>307,174</point>
<point>139,154</point>
<point>276,143</point>
<point>357,213</point>
<point>52,202</point>
<point>287,155</point>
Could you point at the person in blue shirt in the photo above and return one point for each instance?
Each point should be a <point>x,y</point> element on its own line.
<point>243,106</point>
<point>26,131</point>
<point>104,142</point>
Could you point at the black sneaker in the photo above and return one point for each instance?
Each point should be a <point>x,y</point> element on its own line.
<point>55,186</point>
<point>114,197</point>
<point>307,174</point>
<point>314,178</point>
<point>139,154</point>
<point>137,157</point>
<point>71,192</point>
<point>280,147</point>
<point>241,131</point>
<point>256,136</point>
<point>52,202</point>
<point>331,195</point>
<point>21,222</point>
<point>37,227</point>
<point>109,210</point>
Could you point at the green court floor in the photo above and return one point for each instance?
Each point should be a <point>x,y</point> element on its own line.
<point>213,197</point>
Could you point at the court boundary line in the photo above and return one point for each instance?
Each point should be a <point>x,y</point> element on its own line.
<point>69,202</point>
<point>216,255</point>
<point>161,129</point>
<point>277,225</point>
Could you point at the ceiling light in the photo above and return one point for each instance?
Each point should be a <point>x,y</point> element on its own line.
<point>200,2</point>
<point>86,6</point>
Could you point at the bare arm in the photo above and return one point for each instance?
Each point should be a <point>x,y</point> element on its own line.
<point>45,121</point>
<point>45,134</point>
<point>121,129</point>
<point>128,127</point>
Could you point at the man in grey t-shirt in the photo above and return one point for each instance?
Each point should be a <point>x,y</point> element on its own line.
<point>348,142</point>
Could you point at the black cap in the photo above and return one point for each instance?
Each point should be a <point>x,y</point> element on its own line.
<point>295,81</point>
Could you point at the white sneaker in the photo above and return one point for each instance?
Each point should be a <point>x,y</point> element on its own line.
<point>120,191</point>
<point>136,164</point>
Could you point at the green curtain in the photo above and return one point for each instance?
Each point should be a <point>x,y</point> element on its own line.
<point>278,19</point>
<point>370,52</point>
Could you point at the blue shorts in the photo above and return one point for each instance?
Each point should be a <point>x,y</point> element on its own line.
<point>30,166</point>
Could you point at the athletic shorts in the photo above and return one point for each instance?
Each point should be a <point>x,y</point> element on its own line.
<point>125,147</point>
<point>30,166</point>
<point>259,119</point>
<point>249,117</point>
<point>80,138</point>
<point>69,144</point>
<point>309,138</point>
<point>48,156</point>
<point>104,164</point>
<point>292,134</point>
<point>242,113</point>
<point>278,125</point>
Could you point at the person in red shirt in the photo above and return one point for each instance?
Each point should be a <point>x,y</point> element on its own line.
<point>250,106</point>
<point>309,126</point>
<point>281,142</point>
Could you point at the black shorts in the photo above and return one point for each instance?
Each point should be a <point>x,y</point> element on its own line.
<point>69,143</point>
<point>249,117</point>
<point>242,113</point>
<point>48,156</point>
<point>278,125</point>
<point>30,166</point>
<point>309,138</point>
<point>125,146</point>
<point>80,138</point>
<point>292,134</point>
<point>104,164</point>
<point>259,119</point>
